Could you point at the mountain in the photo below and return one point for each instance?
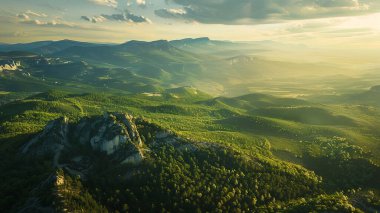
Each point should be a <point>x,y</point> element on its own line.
<point>137,45</point>
<point>61,45</point>
<point>23,47</point>
<point>158,61</point>
<point>128,51</point>
<point>202,42</point>
<point>44,47</point>
<point>206,46</point>
<point>191,41</point>
<point>135,154</point>
<point>140,66</point>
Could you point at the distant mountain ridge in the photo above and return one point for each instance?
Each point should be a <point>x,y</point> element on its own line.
<point>44,47</point>
<point>217,67</point>
<point>50,47</point>
<point>188,41</point>
<point>23,46</point>
<point>61,45</point>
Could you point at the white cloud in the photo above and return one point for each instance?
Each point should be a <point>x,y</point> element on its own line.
<point>23,16</point>
<point>94,19</point>
<point>264,11</point>
<point>27,15</point>
<point>48,23</point>
<point>172,13</point>
<point>109,3</point>
<point>125,16</point>
<point>179,11</point>
<point>35,14</point>
<point>141,2</point>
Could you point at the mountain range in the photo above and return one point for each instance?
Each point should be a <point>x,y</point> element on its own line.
<point>161,64</point>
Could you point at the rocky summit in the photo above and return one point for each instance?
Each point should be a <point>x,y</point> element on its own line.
<point>115,135</point>
<point>109,133</point>
<point>52,139</point>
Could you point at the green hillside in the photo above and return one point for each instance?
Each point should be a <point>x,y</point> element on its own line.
<point>129,128</point>
<point>268,141</point>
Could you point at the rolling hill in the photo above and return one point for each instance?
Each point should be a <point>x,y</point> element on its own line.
<point>229,143</point>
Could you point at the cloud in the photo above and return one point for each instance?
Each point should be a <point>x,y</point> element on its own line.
<point>259,11</point>
<point>126,16</point>
<point>35,14</point>
<point>23,16</point>
<point>28,14</point>
<point>33,18</point>
<point>94,19</point>
<point>57,23</point>
<point>86,18</point>
<point>141,3</point>
<point>109,3</point>
<point>172,13</point>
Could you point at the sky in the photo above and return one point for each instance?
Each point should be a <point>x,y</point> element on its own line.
<point>354,23</point>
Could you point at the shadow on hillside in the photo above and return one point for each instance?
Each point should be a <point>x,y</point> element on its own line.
<point>341,174</point>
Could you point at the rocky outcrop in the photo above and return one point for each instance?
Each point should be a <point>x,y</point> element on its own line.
<point>52,139</point>
<point>113,133</point>
<point>11,65</point>
<point>109,133</point>
<point>81,149</point>
<point>120,136</point>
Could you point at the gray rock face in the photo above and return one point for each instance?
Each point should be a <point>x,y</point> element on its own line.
<point>109,133</point>
<point>115,134</point>
<point>52,139</point>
